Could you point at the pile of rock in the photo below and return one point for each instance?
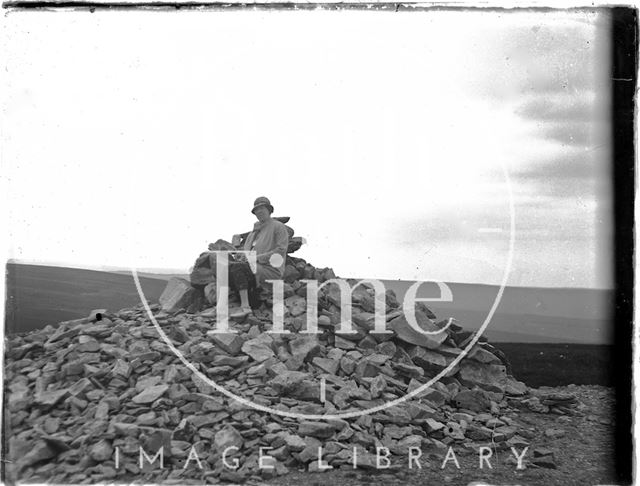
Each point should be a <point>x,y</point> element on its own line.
<point>560,403</point>
<point>95,399</point>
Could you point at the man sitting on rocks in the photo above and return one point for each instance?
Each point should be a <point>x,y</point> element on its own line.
<point>270,240</point>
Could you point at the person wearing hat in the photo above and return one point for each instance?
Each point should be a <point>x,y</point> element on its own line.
<point>269,239</point>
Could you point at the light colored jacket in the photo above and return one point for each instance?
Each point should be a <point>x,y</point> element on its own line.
<point>267,239</point>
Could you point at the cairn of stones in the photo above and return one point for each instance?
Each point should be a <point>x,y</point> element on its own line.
<point>104,398</point>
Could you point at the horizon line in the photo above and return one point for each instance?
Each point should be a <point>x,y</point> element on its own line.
<point>170,271</point>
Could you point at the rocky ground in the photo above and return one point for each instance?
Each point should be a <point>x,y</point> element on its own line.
<point>94,400</point>
<point>582,455</point>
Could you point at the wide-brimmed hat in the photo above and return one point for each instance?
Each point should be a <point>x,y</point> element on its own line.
<point>262,201</point>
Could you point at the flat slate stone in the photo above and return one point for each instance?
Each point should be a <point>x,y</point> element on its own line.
<point>321,430</point>
<point>50,398</point>
<point>405,332</point>
<point>177,294</point>
<point>231,343</point>
<point>304,347</point>
<point>150,394</point>
<point>228,437</point>
<point>259,348</point>
<point>328,365</point>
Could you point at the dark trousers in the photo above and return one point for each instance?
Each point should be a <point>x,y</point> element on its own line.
<point>198,300</point>
<point>242,278</point>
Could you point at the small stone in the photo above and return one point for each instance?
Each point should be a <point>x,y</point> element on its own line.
<point>304,347</point>
<point>501,434</point>
<point>405,332</point>
<point>258,370</point>
<point>314,467</point>
<point>233,361</point>
<point>126,429</point>
<point>328,365</point>
<point>101,451</point>
<point>453,430</point>
<point>348,365</point>
<point>474,400</point>
<point>294,442</point>
<point>434,425</point>
<point>366,460</point>
<point>378,386</point>
<point>367,369</point>
<point>420,411</point>
<point>73,368</point>
<point>147,382</point>
<point>547,462</point>
<point>429,360</point>
<point>96,315</point>
<point>296,305</point>
<point>88,347</point>
<point>409,371</point>
<point>321,430</point>
<point>517,441</point>
<point>335,354</point>
<point>259,348</point>
<point>50,398</point>
<point>121,368</point>
<point>80,386</point>
<point>483,356</point>
<point>102,411</point>
<point>534,405</point>
<point>61,334</point>
<point>177,295</point>
<point>514,387</point>
<point>494,422</point>
<point>286,381</point>
<point>157,438</point>
<point>542,451</point>
<point>147,419</point>
<point>554,433</point>
<point>459,416</point>
<point>108,471</point>
<point>20,400</point>
<point>51,425</point>
<point>478,433</point>
<point>367,344</point>
<point>228,437</point>
<point>386,348</point>
<point>151,394</point>
<point>230,343</point>
<point>492,377</point>
<point>343,343</point>
<point>39,452</point>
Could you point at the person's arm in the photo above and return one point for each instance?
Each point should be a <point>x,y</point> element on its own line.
<point>281,243</point>
<point>241,257</point>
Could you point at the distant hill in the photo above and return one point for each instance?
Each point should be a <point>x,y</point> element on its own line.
<point>159,276</point>
<point>525,314</point>
<point>38,295</point>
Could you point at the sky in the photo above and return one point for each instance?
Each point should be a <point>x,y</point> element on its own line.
<point>135,139</point>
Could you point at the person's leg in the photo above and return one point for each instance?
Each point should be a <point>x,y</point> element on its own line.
<point>240,279</point>
<point>199,288</point>
<point>198,300</point>
<point>244,299</point>
<point>252,288</point>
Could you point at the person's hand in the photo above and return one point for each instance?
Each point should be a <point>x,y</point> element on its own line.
<point>211,246</point>
<point>241,257</point>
